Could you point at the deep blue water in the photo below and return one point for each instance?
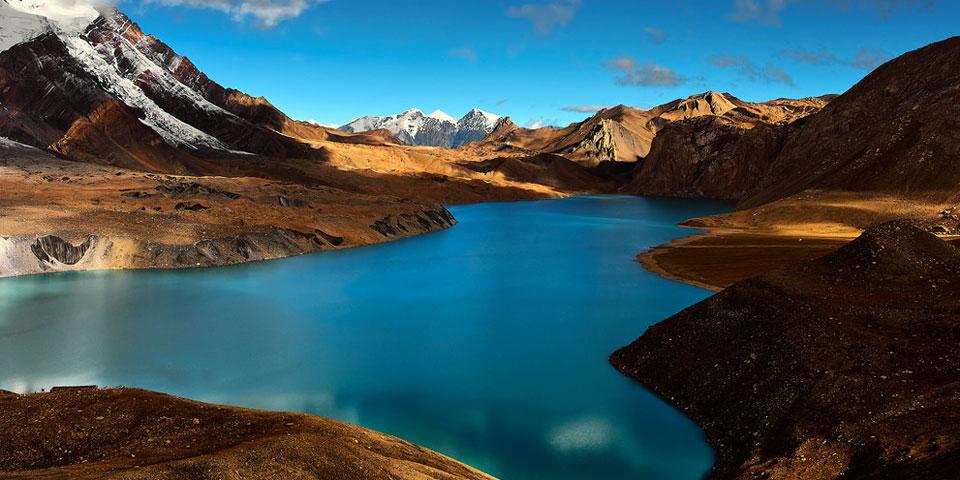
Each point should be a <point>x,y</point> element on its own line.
<point>487,342</point>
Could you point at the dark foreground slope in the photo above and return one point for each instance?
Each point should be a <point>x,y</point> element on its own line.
<point>136,434</point>
<point>842,367</point>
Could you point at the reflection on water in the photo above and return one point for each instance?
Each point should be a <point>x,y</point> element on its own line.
<point>487,342</point>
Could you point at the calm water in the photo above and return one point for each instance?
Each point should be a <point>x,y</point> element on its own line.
<point>487,342</point>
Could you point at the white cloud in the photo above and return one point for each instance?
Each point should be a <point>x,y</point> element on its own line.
<point>749,70</point>
<point>584,108</point>
<point>646,75</point>
<point>267,13</point>
<point>547,16</point>
<point>765,12</point>
<point>864,59</point>
<point>657,35</point>
<point>541,123</point>
<point>320,124</point>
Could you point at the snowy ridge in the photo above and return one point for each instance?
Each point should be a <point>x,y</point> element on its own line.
<point>117,64</point>
<point>19,26</point>
<point>68,16</point>
<point>6,143</point>
<point>172,129</point>
<point>436,129</point>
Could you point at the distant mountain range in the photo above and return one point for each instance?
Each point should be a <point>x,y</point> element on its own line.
<point>437,129</point>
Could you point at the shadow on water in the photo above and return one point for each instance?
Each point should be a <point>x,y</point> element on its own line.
<point>487,342</point>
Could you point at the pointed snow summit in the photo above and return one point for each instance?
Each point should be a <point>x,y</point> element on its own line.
<point>437,129</point>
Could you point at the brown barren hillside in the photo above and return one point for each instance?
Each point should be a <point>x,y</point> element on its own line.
<point>626,134</point>
<point>86,433</point>
<point>57,215</point>
<point>842,367</point>
<point>897,132</point>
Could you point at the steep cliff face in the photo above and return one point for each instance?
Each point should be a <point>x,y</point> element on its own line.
<point>708,157</point>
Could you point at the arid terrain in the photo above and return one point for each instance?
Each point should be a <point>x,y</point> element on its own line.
<point>821,359</point>
<point>123,433</point>
<point>840,367</point>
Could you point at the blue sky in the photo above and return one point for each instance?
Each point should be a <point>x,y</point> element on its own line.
<point>539,61</point>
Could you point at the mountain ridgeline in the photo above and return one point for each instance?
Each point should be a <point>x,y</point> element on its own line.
<point>437,129</point>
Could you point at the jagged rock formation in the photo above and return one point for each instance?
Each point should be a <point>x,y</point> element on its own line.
<point>437,129</point>
<point>626,134</point>
<point>842,367</point>
<point>708,157</point>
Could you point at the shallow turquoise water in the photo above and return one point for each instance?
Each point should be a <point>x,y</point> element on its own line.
<point>487,342</point>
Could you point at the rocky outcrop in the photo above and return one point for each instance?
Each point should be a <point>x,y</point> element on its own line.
<point>419,222</point>
<point>707,157</point>
<point>842,367</point>
<point>51,250</point>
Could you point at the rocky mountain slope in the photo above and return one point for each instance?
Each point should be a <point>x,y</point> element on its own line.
<point>91,86</point>
<point>892,135</point>
<point>86,433</point>
<point>437,129</point>
<point>896,132</point>
<point>627,134</point>
<point>842,367</point>
<point>57,215</point>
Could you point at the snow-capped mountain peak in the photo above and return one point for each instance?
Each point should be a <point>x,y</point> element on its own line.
<point>436,129</point>
<point>477,118</point>
<point>69,16</point>
<point>441,115</point>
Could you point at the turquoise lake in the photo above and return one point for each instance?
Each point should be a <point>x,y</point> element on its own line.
<point>487,342</point>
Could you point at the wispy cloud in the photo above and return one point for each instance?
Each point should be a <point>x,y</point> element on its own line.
<point>502,101</point>
<point>546,16</point>
<point>541,123</point>
<point>767,12</point>
<point>764,12</point>
<point>267,13</point>
<point>657,35</point>
<point>584,108</point>
<point>465,53</point>
<point>884,7</point>
<point>823,57</point>
<point>643,75</point>
<point>865,58</point>
<point>868,59</point>
<point>749,70</point>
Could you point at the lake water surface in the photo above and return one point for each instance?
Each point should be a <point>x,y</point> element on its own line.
<point>487,342</point>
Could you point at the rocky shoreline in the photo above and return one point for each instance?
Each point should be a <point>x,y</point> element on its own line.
<point>840,367</point>
<point>66,216</point>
